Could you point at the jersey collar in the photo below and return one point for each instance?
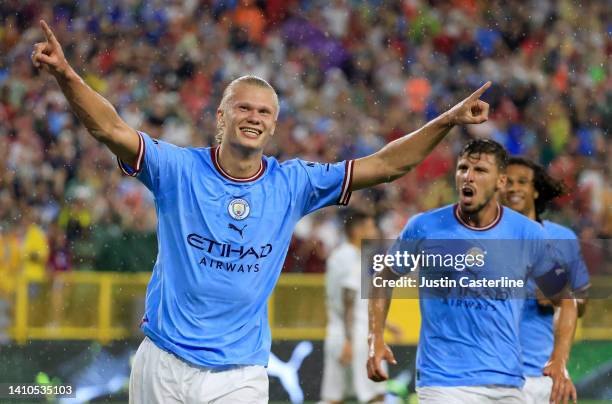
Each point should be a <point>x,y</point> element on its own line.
<point>487,227</point>
<point>214,155</point>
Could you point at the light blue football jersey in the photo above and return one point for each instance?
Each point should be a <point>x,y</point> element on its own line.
<point>466,340</point>
<point>222,243</point>
<point>537,336</point>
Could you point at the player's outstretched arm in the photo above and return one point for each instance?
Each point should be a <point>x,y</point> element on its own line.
<point>565,327</point>
<point>94,111</point>
<point>401,155</point>
<point>378,308</point>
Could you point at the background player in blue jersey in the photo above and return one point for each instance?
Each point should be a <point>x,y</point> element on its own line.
<point>528,190</point>
<point>225,219</point>
<point>469,349</point>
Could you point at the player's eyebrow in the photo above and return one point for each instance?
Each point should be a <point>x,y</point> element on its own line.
<point>260,108</point>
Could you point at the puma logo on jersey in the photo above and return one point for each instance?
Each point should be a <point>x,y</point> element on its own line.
<point>231,226</point>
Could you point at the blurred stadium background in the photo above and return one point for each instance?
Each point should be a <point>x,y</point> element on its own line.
<point>77,240</point>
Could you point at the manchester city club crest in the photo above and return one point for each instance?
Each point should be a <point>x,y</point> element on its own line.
<point>239,209</point>
<point>474,251</point>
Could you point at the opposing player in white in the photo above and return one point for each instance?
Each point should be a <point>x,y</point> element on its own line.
<point>346,348</point>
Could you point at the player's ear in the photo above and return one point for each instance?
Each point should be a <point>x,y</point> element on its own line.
<point>273,129</point>
<point>220,125</point>
<point>220,122</point>
<point>220,116</point>
<point>501,181</point>
<point>536,194</point>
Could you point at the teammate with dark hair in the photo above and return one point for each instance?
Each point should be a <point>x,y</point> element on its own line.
<point>539,187</point>
<point>529,190</point>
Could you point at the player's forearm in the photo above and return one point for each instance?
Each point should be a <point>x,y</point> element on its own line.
<point>94,111</point>
<point>401,155</point>
<point>378,306</point>
<point>564,329</point>
<point>378,309</point>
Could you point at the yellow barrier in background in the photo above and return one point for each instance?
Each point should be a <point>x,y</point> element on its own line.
<point>105,306</point>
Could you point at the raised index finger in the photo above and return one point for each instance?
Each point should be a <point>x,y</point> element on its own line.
<point>48,33</point>
<point>476,94</point>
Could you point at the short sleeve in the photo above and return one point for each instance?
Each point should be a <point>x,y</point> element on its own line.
<point>579,275</point>
<point>548,270</point>
<point>158,163</point>
<point>320,184</point>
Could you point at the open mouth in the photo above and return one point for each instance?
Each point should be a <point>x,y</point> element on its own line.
<point>514,199</point>
<point>250,132</point>
<point>467,192</point>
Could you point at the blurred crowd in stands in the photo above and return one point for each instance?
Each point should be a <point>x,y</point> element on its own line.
<point>352,75</point>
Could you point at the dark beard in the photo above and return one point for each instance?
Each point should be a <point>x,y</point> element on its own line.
<point>476,209</point>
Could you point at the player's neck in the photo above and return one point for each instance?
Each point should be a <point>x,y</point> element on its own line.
<point>355,242</point>
<point>531,213</point>
<point>239,163</point>
<point>484,217</point>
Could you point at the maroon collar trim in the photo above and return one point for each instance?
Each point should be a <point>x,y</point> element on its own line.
<point>214,155</point>
<point>487,227</point>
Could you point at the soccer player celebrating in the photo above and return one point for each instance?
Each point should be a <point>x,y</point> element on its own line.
<point>225,219</point>
<point>469,348</point>
<point>528,190</point>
